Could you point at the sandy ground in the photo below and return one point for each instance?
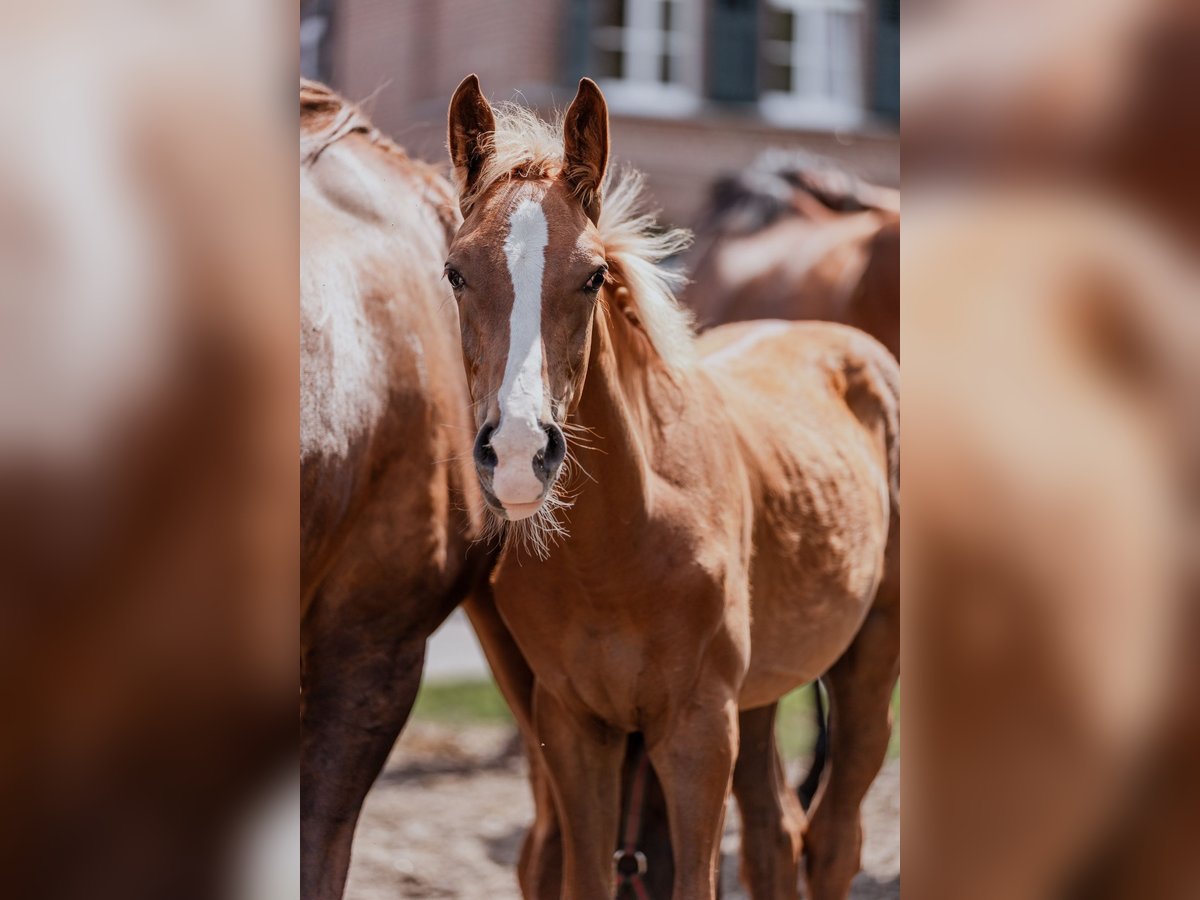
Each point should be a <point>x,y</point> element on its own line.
<point>448,814</point>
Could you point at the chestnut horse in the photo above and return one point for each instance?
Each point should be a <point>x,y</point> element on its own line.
<point>794,237</point>
<point>722,536</point>
<point>389,508</point>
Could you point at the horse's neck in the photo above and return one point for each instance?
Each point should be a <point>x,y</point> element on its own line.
<point>619,410</point>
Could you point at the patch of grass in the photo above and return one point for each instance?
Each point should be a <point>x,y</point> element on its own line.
<point>477,701</point>
<point>795,724</point>
<point>465,702</point>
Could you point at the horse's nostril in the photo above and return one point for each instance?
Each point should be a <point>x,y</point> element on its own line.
<point>485,456</point>
<point>556,448</point>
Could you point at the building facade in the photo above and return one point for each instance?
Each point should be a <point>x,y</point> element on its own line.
<point>695,88</point>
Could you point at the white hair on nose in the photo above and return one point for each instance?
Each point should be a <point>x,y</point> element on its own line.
<point>519,437</point>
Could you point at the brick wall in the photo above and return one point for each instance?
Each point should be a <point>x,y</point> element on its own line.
<point>412,53</point>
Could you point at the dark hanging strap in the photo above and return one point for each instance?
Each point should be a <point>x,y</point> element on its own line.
<point>629,861</point>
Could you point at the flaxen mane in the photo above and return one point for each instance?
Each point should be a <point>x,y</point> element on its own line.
<point>525,146</point>
<point>326,118</point>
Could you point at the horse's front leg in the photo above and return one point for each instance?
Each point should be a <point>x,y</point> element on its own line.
<point>539,869</point>
<point>583,760</point>
<point>360,680</point>
<point>772,819</point>
<point>694,758</point>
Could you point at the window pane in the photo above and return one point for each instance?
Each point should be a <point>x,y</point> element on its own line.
<point>610,64</point>
<point>779,25</point>
<point>777,78</point>
<point>777,52</point>
<point>610,12</point>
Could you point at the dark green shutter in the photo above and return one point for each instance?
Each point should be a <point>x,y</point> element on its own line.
<point>577,46</point>
<point>885,92</point>
<point>733,51</point>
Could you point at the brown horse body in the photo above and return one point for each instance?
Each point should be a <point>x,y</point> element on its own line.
<point>388,511</point>
<point>792,238</point>
<point>795,237</point>
<point>726,534</point>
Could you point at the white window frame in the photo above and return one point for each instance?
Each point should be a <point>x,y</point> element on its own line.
<point>810,49</point>
<point>640,41</point>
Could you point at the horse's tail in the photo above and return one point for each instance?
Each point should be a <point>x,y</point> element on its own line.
<point>807,789</point>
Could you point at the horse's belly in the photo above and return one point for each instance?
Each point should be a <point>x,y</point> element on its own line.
<point>789,654</point>
<point>800,626</point>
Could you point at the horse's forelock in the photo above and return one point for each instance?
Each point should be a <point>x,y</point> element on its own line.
<point>522,146</point>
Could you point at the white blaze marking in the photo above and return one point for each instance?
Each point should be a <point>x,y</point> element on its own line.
<point>520,437</point>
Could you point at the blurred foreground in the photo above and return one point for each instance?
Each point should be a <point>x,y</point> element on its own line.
<point>1049,326</point>
<point>148,464</point>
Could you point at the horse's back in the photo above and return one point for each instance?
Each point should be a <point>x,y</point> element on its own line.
<point>797,238</point>
<point>815,407</point>
<point>794,363</point>
<point>795,268</point>
<point>808,388</point>
<point>384,406</point>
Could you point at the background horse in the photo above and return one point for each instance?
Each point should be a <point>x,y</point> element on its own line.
<point>389,505</point>
<point>794,237</point>
<point>632,601</point>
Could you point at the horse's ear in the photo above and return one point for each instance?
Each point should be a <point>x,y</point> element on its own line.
<point>471,128</point>
<point>585,145</point>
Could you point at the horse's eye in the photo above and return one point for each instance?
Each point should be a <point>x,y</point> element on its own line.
<point>456,280</point>
<point>596,281</point>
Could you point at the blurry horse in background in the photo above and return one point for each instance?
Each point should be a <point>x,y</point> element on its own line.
<point>389,505</point>
<point>794,237</point>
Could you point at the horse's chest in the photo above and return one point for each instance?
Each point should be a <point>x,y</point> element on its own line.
<point>619,650</point>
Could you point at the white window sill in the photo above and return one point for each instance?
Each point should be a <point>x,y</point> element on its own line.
<point>794,112</point>
<point>650,99</point>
